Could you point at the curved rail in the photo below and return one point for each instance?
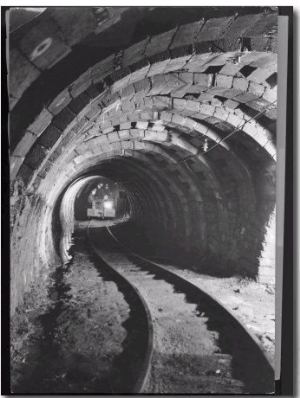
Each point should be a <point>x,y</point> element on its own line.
<point>192,290</point>
<point>145,368</point>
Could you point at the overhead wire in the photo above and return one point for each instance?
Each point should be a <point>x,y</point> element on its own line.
<point>242,123</point>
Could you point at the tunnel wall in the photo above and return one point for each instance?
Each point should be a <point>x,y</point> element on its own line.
<point>143,116</point>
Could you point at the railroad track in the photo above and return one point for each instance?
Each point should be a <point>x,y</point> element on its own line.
<point>194,344</point>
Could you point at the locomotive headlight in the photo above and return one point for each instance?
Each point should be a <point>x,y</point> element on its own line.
<point>108,204</point>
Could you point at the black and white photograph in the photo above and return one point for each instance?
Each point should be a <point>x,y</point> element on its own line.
<point>143,209</point>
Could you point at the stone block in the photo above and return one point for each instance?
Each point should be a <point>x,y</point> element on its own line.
<point>142,86</point>
<point>196,89</point>
<point>214,29</point>
<point>270,94</point>
<point>67,138</point>
<point>177,119</point>
<point>256,89</point>
<point>81,84</point>
<point>63,119</point>
<point>54,155</point>
<point>266,61</point>
<point>176,64</point>
<point>49,137</point>
<point>230,69</point>
<point>126,144</point>
<point>103,69</point>
<point>25,144</point>
<point>172,84</point>
<point>212,120</point>
<point>166,116</point>
<point>159,43</point>
<point>44,44</point>
<point>124,134</point>
<point>266,26</point>
<point>242,24</point>
<point>41,122</point>
<point>102,140</point>
<point>260,75</point>
<point>179,104</point>
<point>25,174</point>
<point>36,183</point>
<point>231,104</point>
<point>236,121</point>
<point>35,157</point>
<point>207,109</point>
<point>161,102</point>
<point>221,113</point>
<point>202,129</point>
<point>158,127</point>
<point>125,125</point>
<point>142,125</point>
<point>135,52</point>
<point>121,80</point>
<point>95,90</point>
<point>75,23</point>
<point>160,136</point>
<point>158,67</point>
<point>128,91</point>
<point>116,146</point>
<point>186,34</point>
<point>108,130</point>
<point>45,170</point>
<point>158,83</point>
<point>204,79</point>
<point>224,81</point>
<point>113,136</point>
<point>139,75</point>
<point>21,73</point>
<point>127,106</point>
<point>240,84</point>
<point>15,162</point>
<point>81,123</point>
<point>60,102</point>
<point>258,104</point>
<point>245,97</point>
<point>79,103</point>
<point>134,133</point>
<point>93,111</point>
<point>231,93</point>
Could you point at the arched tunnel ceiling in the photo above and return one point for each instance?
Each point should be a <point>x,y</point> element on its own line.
<point>184,119</point>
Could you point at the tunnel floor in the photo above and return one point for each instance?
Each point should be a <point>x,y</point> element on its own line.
<point>78,341</point>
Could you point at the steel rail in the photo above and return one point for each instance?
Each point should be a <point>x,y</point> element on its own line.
<point>216,305</point>
<point>146,363</point>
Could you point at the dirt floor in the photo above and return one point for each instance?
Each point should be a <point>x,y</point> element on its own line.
<point>252,303</point>
<point>70,342</point>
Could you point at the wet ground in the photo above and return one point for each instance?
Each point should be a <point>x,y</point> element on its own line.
<point>78,340</point>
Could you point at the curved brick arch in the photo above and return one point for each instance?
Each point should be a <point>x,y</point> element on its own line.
<point>56,129</point>
<point>153,107</point>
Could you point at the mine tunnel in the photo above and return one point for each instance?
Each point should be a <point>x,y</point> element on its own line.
<point>174,106</point>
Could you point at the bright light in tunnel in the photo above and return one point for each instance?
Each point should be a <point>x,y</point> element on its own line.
<point>108,204</point>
